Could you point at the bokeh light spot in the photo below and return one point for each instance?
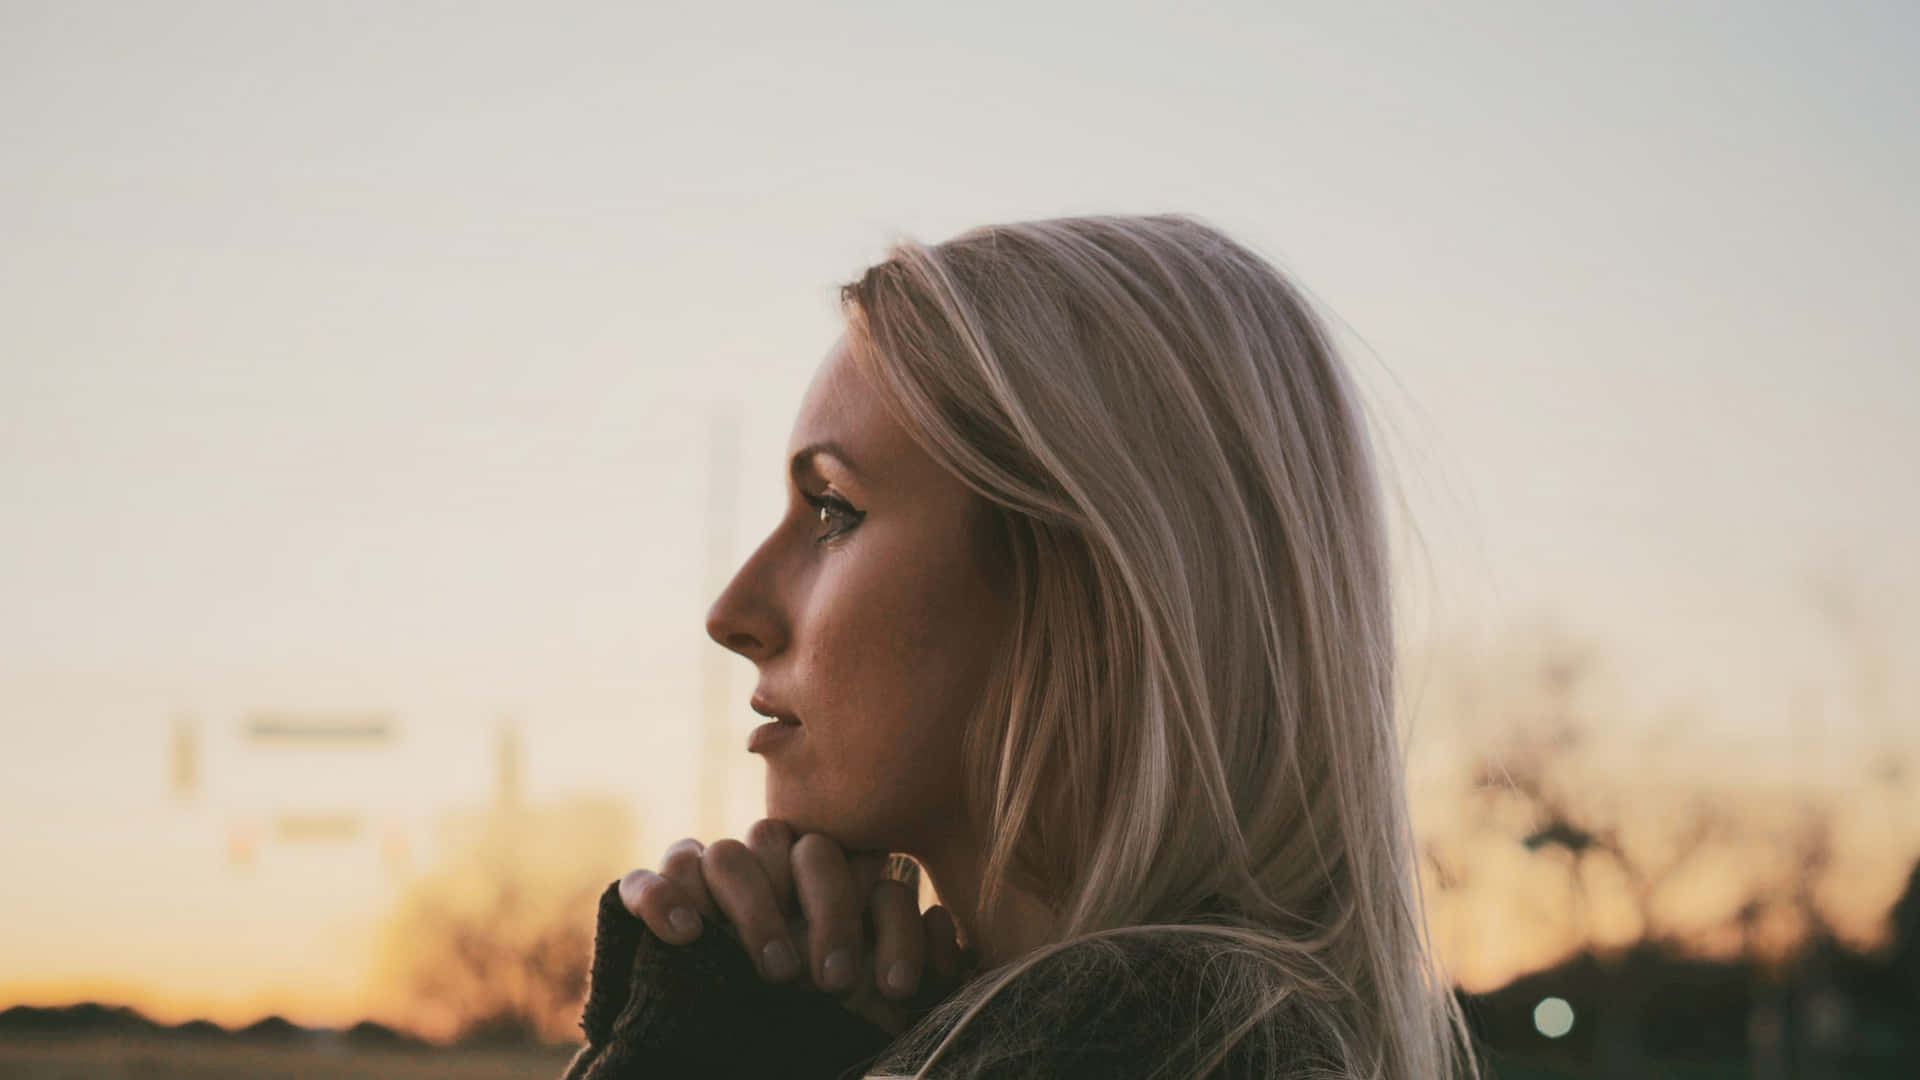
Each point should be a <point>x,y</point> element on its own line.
<point>1553,1017</point>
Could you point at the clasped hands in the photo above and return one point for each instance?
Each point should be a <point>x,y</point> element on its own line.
<point>803,905</point>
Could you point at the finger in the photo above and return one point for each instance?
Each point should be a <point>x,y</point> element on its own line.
<point>662,904</point>
<point>741,890</point>
<point>942,945</point>
<point>899,943</point>
<point>824,884</point>
<point>771,842</point>
<point>681,865</point>
<point>867,868</point>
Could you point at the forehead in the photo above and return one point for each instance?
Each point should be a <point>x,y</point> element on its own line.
<point>841,406</point>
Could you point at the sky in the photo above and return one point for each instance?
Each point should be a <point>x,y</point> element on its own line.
<point>384,357</point>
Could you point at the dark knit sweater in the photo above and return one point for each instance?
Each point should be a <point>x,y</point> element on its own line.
<point>1114,1009</point>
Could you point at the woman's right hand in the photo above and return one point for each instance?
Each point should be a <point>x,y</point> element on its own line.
<point>797,904</point>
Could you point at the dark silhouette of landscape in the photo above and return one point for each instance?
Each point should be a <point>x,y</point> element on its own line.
<point>1652,1010</point>
<point>1644,1011</point>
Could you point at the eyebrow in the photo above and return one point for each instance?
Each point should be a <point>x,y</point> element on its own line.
<point>803,458</point>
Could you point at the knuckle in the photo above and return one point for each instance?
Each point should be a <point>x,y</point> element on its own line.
<point>679,859</point>
<point>727,856</point>
<point>631,884</point>
<point>654,893</point>
<point>814,849</point>
<point>768,832</point>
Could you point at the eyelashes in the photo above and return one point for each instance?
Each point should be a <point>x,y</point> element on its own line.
<point>836,513</point>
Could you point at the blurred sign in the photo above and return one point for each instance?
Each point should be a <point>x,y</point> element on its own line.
<point>281,797</point>
<point>327,729</point>
<point>316,828</point>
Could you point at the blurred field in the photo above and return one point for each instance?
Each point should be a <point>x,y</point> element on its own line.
<point>158,1059</point>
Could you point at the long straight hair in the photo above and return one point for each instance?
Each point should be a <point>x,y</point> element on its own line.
<point>1196,699</point>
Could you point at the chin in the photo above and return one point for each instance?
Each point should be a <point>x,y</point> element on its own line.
<point>794,808</point>
<point>852,831</point>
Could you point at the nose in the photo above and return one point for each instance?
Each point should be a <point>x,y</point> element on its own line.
<point>743,617</point>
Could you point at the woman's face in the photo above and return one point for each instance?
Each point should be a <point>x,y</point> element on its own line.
<point>872,613</point>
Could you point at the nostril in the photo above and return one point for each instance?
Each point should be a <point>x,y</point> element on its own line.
<point>754,632</point>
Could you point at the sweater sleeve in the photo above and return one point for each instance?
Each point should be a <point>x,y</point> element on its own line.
<point>656,1011</point>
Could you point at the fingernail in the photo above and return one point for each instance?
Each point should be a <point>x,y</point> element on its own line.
<point>778,961</point>
<point>839,969</point>
<point>897,978</point>
<point>685,922</point>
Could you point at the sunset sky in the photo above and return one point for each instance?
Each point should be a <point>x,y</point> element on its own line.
<point>368,357</point>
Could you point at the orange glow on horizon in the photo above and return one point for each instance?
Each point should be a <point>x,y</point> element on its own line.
<point>169,1007</point>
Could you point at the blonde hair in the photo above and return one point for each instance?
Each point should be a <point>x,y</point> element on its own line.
<point>1196,699</point>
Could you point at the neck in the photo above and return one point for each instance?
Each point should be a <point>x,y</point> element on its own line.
<point>1018,922</point>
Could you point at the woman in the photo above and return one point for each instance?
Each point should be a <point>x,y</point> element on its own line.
<point>1081,605</point>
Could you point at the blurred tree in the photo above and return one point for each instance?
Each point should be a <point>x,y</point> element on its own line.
<point>1539,768</point>
<point>1904,955</point>
<point>492,943</point>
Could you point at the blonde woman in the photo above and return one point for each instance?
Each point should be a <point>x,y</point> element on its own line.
<point>1081,606</point>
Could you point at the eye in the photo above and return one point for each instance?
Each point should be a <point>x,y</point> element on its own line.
<point>836,513</point>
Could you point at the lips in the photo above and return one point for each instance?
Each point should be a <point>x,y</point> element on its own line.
<point>774,711</point>
<point>768,738</point>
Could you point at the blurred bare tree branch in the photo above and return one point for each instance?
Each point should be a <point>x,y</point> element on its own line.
<point>493,943</point>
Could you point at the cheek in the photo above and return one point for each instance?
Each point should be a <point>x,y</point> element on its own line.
<point>887,664</point>
<point>894,662</point>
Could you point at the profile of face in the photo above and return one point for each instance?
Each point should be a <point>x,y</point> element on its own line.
<point>872,612</point>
